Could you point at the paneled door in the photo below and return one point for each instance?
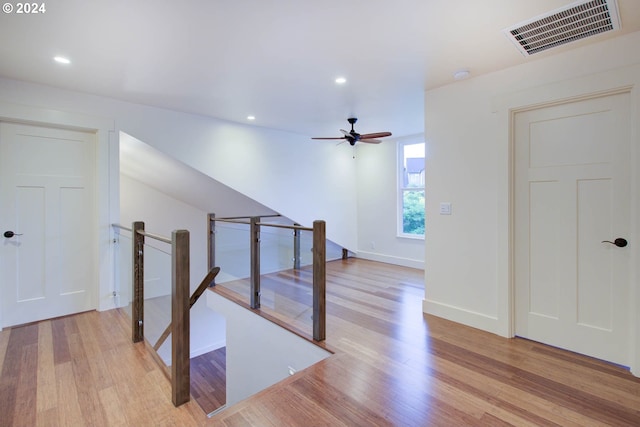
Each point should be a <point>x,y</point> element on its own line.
<point>47,218</point>
<point>572,197</point>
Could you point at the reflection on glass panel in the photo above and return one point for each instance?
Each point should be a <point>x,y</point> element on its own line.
<point>306,248</point>
<point>233,256</point>
<point>284,289</point>
<point>157,295</point>
<point>276,249</point>
<point>232,251</point>
<point>124,266</point>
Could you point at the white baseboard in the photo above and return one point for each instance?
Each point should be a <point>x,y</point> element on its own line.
<point>389,259</point>
<point>463,316</point>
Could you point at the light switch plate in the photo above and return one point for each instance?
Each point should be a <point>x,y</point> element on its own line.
<point>445,208</point>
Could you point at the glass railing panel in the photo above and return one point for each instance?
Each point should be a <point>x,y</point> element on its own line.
<point>123,269</point>
<point>286,287</point>
<point>289,292</point>
<point>157,295</point>
<point>333,251</point>
<point>276,249</point>
<point>233,256</point>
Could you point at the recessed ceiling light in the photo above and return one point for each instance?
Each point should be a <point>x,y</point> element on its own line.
<point>341,80</point>
<point>461,74</point>
<point>251,117</point>
<point>61,60</point>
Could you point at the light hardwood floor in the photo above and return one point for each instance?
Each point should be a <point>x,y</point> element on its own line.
<point>393,365</point>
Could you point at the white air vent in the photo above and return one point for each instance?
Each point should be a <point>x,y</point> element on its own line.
<point>571,23</point>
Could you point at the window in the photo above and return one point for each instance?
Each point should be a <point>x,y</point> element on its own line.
<point>411,189</point>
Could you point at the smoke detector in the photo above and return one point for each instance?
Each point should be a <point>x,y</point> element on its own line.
<point>574,22</point>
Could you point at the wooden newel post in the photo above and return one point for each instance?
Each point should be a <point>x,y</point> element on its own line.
<point>254,236</point>
<point>180,326</point>
<point>211,242</point>
<point>296,248</point>
<point>137,282</point>
<point>319,280</point>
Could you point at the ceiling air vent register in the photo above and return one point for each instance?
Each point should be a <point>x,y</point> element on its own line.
<point>574,22</point>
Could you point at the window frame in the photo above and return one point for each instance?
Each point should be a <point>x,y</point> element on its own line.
<point>402,189</point>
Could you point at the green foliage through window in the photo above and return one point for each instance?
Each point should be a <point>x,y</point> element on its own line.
<point>413,212</point>
<point>411,188</point>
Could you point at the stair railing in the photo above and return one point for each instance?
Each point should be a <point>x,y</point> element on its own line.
<point>181,302</point>
<point>319,260</point>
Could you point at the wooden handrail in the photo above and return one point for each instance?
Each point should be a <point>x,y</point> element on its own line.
<point>121,226</point>
<point>208,279</point>
<point>290,227</point>
<point>154,236</point>
<point>243,217</point>
<point>144,233</point>
<point>265,224</point>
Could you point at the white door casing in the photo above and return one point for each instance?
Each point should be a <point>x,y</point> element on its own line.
<point>572,191</point>
<point>47,186</point>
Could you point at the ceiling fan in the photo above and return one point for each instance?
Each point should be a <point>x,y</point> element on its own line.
<point>353,136</point>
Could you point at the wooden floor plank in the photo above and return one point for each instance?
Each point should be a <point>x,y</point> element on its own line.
<point>208,379</point>
<point>61,347</point>
<point>429,371</point>
<point>4,343</point>
<point>69,412</point>
<point>112,404</point>
<point>26,390</point>
<point>393,366</point>
<point>47,393</point>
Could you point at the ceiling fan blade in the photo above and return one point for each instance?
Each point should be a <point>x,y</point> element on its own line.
<point>347,133</point>
<point>371,141</point>
<point>338,137</point>
<point>375,135</point>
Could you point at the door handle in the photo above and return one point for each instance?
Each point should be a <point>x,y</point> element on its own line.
<point>9,234</point>
<point>619,242</point>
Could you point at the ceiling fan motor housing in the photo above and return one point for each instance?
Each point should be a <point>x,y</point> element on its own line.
<point>353,136</point>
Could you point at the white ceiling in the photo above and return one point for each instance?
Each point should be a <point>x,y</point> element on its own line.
<point>275,59</point>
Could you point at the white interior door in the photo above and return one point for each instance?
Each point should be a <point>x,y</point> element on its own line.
<point>47,198</point>
<point>572,191</point>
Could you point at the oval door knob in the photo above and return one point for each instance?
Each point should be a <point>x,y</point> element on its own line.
<point>619,242</point>
<point>9,234</point>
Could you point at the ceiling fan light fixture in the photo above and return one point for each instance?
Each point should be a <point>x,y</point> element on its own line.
<point>352,136</point>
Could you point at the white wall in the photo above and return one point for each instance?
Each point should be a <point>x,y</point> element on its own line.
<point>162,214</point>
<point>259,352</point>
<point>300,178</point>
<point>467,132</point>
<point>377,171</point>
